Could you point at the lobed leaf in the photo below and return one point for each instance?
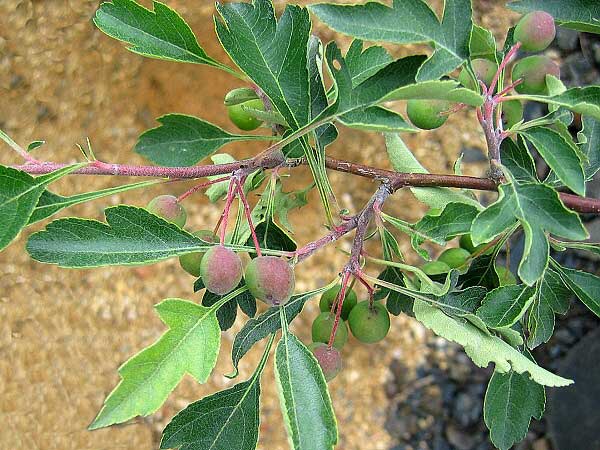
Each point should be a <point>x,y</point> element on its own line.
<point>407,22</point>
<point>191,345</point>
<point>585,285</point>
<point>511,400</point>
<point>224,420</point>
<point>161,33</point>
<point>583,100</point>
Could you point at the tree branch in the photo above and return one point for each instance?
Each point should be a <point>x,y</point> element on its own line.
<point>274,159</point>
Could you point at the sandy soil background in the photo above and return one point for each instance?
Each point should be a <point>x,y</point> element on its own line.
<point>63,333</point>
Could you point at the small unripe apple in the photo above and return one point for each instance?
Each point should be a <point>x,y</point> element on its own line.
<point>322,326</point>
<point>535,31</point>
<point>168,207</point>
<point>329,359</point>
<point>484,70</point>
<point>270,279</point>
<point>221,270</point>
<point>330,295</point>
<point>190,262</point>
<point>242,118</point>
<point>369,324</point>
<point>533,70</point>
<point>425,114</point>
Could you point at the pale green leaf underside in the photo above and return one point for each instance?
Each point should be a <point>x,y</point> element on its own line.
<point>19,195</point>
<point>511,400</point>
<point>408,21</point>
<point>183,140</point>
<point>305,402</point>
<point>161,33</point>
<point>482,348</point>
<point>190,346</point>
<point>448,90</point>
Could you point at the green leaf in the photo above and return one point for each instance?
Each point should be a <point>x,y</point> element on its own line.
<point>462,303</point>
<point>227,313</point>
<point>284,202</point>
<point>539,210</point>
<point>225,420</point>
<point>272,236</point>
<point>517,159</point>
<point>407,22</point>
<point>482,43</point>
<point>305,402</point>
<point>482,348</point>
<point>19,195</point>
<point>396,302</point>
<point>50,203</point>
<point>454,220</point>
<point>34,145</point>
<point>589,138</point>
<point>551,297</point>
<point>364,63</point>
<point>505,305</point>
<point>131,236</point>
<point>190,346</point>
<point>273,55</point>
<point>376,118</point>
<point>583,15</point>
<point>585,285</point>
<point>584,100</point>
<point>267,323</point>
<point>448,90</point>
<point>511,400</point>
<point>161,33</point>
<point>560,154</point>
<point>185,140</point>
<point>403,160</point>
<point>482,272</point>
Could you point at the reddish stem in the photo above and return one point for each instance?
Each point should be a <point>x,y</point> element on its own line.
<point>512,52</point>
<point>244,200</point>
<point>200,186</point>
<point>225,216</point>
<point>342,295</point>
<point>507,89</point>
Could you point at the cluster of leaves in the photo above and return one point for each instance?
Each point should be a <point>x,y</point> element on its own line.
<point>468,305</point>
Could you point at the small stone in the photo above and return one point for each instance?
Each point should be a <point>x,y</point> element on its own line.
<point>460,439</point>
<point>466,409</point>
<point>566,39</point>
<point>540,444</point>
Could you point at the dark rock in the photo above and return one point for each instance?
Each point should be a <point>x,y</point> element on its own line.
<point>466,410</point>
<point>566,40</point>
<point>461,440</point>
<point>473,155</point>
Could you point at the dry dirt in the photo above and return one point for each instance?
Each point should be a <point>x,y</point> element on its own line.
<point>63,332</point>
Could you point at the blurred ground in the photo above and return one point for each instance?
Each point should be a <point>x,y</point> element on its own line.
<point>64,333</point>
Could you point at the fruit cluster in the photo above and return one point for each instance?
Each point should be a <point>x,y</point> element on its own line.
<point>533,33</point>
<point>368,320</point>
<point>268,278</point>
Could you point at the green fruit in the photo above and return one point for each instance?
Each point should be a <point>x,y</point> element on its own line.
<point>506,277</point>
<point>270,279</point>
<point>435,268</point>
<point>221,270</point>
<point>484,70</point>
<point>242,118</point>
<point>535,31</point>
<point>425,114</point>
<point>191,261</point>
<point>466,243</point>
<point>329,297</point>
<point>329,359</point>
<point>322,326</point>
<point>454,257</point>
<point>533,71</point>
<point>512,112</point>
<point>167,207</point>
<point>369,324</point>
<point>240,95</point>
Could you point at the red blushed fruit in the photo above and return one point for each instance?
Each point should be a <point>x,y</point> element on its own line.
<point>329,359</point>
<point>270,279</point>
<point>535,31</point>
<point>533,70</point>
<point>221,270</point>
<point>167,207</point>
